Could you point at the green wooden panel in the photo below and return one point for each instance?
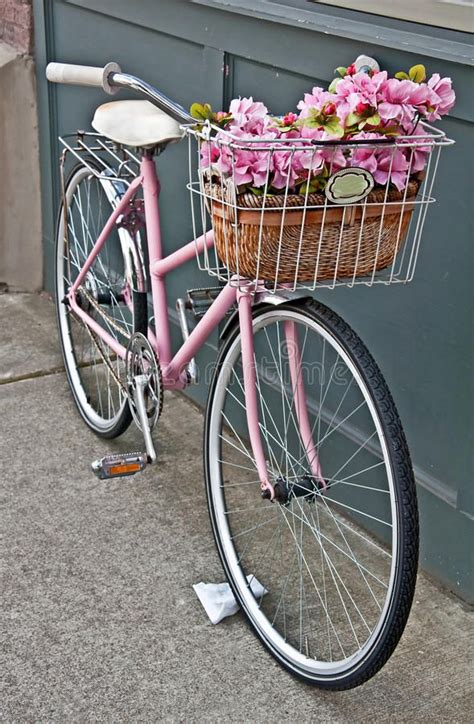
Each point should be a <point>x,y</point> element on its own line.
<point>420,334</point>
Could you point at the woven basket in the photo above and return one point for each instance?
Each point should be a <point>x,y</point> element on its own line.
<point>334,246</point>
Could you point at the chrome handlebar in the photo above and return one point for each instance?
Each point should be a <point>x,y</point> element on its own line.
<point>110,78</point>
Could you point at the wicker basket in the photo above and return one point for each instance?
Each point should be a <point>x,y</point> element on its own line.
<point>337,241</point>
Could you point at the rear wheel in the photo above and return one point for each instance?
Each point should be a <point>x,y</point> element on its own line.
<point>337,563</point>
<point>96,375</point>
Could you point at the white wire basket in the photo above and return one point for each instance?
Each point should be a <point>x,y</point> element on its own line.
<point>354,229</point>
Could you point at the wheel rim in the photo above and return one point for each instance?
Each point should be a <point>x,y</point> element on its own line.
<point>330,581</point>
<point>94,371</point>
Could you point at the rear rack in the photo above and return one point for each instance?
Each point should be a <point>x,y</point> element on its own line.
<point>113,159</point>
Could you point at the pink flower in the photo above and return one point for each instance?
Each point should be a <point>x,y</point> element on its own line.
<point>289,119</point>
<point>396,96</point>
<point>416,155</point>
<point>364,156</point>
<point>381,162</point>
<point>333,156</point>
<point>316,99</point>
<point>244,167</point>
<point>391,166</point>
<point>209,154</point>
<point>284,172</point>
<point>358,91</point>
<point>248,115</point>
<point>368,86</point>
<point>442,87</point>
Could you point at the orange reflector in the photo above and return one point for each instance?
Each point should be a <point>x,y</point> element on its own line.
<point>125,468</point>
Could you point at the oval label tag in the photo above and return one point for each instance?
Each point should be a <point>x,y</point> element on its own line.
<point>349,185</point>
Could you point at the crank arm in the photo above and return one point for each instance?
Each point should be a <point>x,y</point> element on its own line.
<point>141,382</point>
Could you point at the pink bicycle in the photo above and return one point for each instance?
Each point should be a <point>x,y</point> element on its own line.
<point>308,476</point>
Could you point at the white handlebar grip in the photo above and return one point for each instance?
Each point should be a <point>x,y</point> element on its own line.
<point>82,75</point>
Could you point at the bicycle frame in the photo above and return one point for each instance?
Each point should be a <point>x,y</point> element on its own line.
<point>174,366</point>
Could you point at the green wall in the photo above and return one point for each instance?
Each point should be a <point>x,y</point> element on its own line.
<point>420,334</point>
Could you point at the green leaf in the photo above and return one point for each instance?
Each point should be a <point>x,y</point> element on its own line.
<point>221,122</point>
<point>333,84</point>
<point>314,120</point>
<point>313,185</point>
<point>401,75</point>
<point>417,73</point>
<point>332,125</point>
<point>373,120</point>
<point>393,130</point>
<point>201,112</point>
<point>353,119</point>
<point>342,71</point>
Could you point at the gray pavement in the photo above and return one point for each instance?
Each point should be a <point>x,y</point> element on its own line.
<point>100,621</point>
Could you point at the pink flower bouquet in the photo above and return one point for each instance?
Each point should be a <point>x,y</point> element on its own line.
<point>359,105</point>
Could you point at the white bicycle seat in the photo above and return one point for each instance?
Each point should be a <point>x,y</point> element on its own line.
<point>136,123</point>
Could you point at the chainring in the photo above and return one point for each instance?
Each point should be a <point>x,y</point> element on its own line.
<point>140,359</point>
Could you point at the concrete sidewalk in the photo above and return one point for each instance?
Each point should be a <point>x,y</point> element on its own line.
<point>101,623</point>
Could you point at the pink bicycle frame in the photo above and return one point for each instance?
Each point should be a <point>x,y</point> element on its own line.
<point>174,366</point>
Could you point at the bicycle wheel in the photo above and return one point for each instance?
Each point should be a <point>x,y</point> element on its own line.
<point>95,373</point>
<point>337,558</point>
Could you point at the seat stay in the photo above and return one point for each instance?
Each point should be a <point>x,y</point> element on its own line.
<point>104,234</point>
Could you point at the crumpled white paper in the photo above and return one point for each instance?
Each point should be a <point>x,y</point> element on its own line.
<point>218,600</point>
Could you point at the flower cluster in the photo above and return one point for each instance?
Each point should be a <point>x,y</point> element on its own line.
<point>362,105</point>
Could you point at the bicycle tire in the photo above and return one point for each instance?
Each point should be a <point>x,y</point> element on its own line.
<point>111,418</point>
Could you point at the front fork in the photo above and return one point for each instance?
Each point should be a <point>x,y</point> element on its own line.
<point>245,299</point>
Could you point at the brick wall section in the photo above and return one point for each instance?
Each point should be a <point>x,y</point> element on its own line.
<point>16,24</point>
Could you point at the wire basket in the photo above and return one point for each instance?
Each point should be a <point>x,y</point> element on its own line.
<point>324,238</point>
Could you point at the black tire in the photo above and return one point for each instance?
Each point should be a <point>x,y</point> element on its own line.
<point>394,615</point>
<point>111,419</point>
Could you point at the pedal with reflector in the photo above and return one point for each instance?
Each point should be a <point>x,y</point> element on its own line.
<point>119,465</point>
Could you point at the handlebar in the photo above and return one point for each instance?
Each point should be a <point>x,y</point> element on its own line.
<point>110,78</point>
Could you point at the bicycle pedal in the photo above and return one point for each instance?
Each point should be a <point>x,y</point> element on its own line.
<point>119,465</point>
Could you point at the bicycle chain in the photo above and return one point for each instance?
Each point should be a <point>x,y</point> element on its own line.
<point>113,322</point>
<point>107,361</point>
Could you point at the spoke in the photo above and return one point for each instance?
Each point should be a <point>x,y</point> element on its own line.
<point>262,555</point>
<point>328,434</point>
<point>341,533</point>
<point>333,572</point>
<point>333,566</point>
<point>341,550</point>
<point>259,506</point>
<point>234,465</point>
<point>315,587</point>
<point>323,571</point>
<point>249,530</point>
<point>359,472</point>
<point>238,485</point>
<point>359,512</point>
<point>248,544</point>
<point>356,485</point>
<point>242,449</point>
<point>361,447</point>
